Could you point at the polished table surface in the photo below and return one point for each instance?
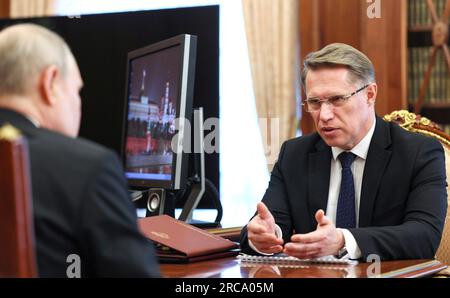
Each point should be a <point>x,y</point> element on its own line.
<point>234,268</point>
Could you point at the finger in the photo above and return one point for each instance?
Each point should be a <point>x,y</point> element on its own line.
<point>271,249</point>
<point>263,212</point>
<point>308,255</point>
<point>303,251</point>
<point>302,248</point>
<point>312,237</point>
<point>265,246</point>
<point>321,218</point>
<point>266,238</point>
<point>275,249</point>
<point>257,228</point>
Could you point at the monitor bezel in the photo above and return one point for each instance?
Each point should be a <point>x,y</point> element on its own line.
<point>184,100</point>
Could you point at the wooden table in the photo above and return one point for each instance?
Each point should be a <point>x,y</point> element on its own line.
<point>233,268</point>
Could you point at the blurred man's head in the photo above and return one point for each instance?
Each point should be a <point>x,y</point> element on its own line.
<point>341,91</point>
<point>39,77</point>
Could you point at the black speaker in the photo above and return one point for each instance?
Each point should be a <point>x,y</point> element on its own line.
<point>160,201</point>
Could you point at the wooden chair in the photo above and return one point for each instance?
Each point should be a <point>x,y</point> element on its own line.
<point>17,250</point>
<point>422,125</point>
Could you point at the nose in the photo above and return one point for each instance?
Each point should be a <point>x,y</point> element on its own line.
<point>326,112</point>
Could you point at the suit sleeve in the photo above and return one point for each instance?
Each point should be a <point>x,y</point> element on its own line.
<point>420,232</point>
<point>113,245</point>
<point>275,199</point>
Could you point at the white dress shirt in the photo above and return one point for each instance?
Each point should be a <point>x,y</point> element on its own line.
<point>34,121</point>
<point>357,167</point>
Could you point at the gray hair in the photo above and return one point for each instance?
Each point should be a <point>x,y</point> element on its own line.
<point>339,54</point>
<point>26,50</point>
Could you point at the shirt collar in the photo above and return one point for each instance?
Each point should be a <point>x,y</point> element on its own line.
<point>34,121</point>
<point>361,149</point>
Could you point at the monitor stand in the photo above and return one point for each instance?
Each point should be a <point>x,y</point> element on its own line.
<point>197,188</point>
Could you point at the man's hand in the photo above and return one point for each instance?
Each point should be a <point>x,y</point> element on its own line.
<point>261,231</point>
<point>325,240</point>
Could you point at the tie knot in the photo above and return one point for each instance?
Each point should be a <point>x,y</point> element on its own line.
<point>346,159</point>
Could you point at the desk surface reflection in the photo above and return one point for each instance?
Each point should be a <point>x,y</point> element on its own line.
<point>234,268</point>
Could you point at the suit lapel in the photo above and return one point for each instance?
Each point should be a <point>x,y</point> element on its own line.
<point>377,159</point>
<point>319,179</point>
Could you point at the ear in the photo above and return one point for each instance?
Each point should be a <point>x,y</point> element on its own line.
<point>372,90</point>
<point>48,84</point>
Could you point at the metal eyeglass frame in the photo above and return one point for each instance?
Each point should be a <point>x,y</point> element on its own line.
<point>340,98</point>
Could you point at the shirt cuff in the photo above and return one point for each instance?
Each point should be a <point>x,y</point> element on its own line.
<point>279,235</point>
<point>350,244</point>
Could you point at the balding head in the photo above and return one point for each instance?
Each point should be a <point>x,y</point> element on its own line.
<point>39,77</point>
<point>25,50</point>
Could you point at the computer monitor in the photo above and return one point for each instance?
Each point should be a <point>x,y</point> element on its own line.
<point>159,89</point>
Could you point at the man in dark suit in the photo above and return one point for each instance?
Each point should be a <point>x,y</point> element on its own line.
<point>82,211</point>
<point>356,187</point>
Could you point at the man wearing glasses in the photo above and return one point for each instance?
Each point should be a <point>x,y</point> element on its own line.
<point>359,185</point>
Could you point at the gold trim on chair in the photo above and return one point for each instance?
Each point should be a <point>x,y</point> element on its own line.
<point>417,123</point>
<point>9,133</point>
<point>422,125</point>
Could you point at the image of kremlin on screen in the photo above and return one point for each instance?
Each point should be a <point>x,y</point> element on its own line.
<point>152,111</point>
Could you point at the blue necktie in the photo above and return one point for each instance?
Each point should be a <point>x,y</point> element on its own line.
<point>345,213</point>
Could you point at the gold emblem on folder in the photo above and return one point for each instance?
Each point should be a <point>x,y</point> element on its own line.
<point>160,235</point>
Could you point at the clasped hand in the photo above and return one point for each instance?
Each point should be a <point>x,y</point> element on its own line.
<point>325,240</point>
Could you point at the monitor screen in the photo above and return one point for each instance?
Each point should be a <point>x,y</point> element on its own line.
<point>159,89</point>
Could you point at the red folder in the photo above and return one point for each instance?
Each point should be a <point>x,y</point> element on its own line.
<point>179,242</point>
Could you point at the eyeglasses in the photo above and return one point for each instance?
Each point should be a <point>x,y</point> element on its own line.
<point>313,104</point>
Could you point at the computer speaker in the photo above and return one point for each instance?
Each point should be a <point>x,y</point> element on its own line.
<point>159,202</point>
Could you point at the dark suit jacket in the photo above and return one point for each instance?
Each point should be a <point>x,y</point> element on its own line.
<point>81,206</point>
<point>403,197</point>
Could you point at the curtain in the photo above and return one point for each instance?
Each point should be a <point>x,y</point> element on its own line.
<point>272,29</point>
<point>31,8</point>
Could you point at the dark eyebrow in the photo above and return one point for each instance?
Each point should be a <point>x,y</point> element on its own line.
<point>336,96</point>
